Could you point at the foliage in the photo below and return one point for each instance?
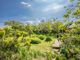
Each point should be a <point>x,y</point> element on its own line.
<point>35,41</point>
<point>48,39</point>
<point>16,38</point>
<point>42,37</point>
<point>2,33</point>
<point>18,41</point>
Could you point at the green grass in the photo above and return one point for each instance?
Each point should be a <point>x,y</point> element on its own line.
<point>41,51</point>
<point>43,46</point>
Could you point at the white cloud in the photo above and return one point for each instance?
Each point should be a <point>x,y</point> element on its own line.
<point>53,7</point>
<point>48,1</point>
<point>26,4</point>
<point>41,0</point>
<point>44,0</point>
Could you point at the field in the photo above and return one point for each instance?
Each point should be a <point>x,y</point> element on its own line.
<point>52,39</point>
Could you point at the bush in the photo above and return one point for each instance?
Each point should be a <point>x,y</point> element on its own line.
<point>8,46</point>
<point>25,33</point>
<point>48,39</point>
<point>70,47</point>
<point>35,41</point>
<point>7,30</point>
<point>41,37</point>
<point>18,33</point>
<point>2,33</point>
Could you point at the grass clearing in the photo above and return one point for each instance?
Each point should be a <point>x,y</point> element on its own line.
<point>43,46</point>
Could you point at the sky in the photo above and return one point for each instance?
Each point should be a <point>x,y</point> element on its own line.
<point>31,10</point>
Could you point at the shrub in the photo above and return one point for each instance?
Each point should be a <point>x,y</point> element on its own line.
<point>41,37</point>
<point>70,47</point>
<point>2,32</point>
<point>35,41</point>
<point>18,33</point>
<point>48,39</point>
<point>25,33</point>
<point>8,45</point>
<point>7,30</point>
<point>49,55</point>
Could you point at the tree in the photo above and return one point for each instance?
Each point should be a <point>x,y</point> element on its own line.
<point>73,11</point>
<point>15,24</point>
<point>29,29</point>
